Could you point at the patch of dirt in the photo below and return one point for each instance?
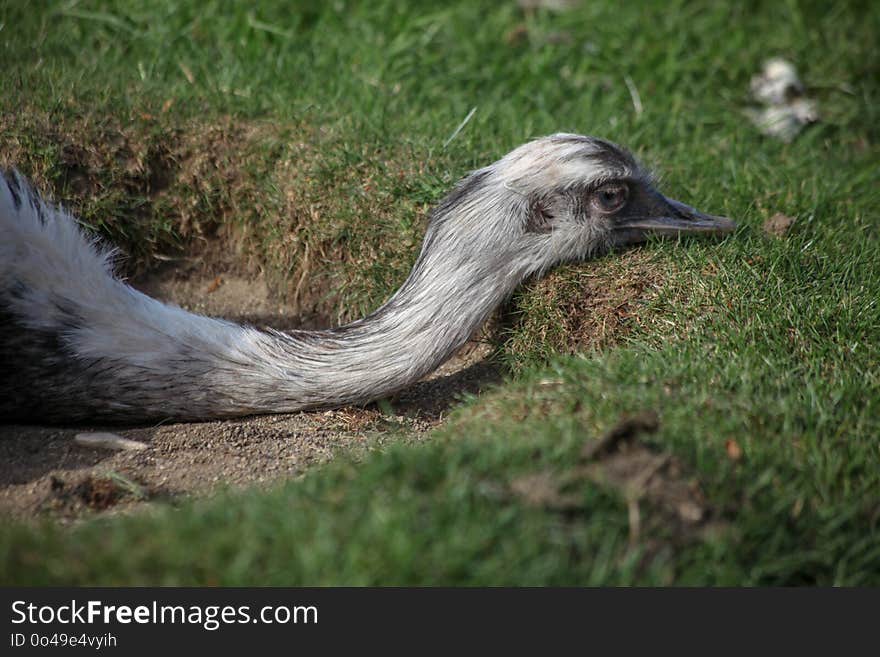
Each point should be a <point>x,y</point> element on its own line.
<point>43,471</point>
<point>657,488</point>
<point>92,492</point>
<point>219,289</point>
<point>778,225</point>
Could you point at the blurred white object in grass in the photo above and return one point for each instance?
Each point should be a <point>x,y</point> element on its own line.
<point>787,108</point>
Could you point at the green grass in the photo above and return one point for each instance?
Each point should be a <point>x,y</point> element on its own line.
<point>325,128</point>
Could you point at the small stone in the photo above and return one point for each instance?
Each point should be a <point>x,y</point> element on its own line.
<point>103,440</point>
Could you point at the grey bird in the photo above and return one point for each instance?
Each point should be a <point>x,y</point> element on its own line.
<point>79,344</point>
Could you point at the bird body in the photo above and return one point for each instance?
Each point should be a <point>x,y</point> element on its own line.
<point>77,343</point>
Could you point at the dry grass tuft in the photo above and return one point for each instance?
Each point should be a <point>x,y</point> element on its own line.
<point>328,225</point>
<point>588,307</point>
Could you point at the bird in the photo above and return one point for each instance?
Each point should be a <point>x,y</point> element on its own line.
<point>78,344</point>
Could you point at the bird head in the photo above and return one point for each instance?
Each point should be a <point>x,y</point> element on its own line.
<point>583,195</point>
<point>564,198</point>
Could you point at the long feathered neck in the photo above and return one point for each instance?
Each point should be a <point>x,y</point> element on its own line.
<point>77,343</point>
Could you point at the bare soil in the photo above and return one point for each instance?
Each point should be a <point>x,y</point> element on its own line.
<point>657,487</point>
<point>43,471</point>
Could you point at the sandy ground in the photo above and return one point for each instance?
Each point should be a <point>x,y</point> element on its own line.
<point>44,471</point>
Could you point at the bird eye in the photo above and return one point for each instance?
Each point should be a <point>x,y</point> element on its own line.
<point>610,198</point>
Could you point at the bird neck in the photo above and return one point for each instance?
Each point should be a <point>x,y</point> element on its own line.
<point>464,271</point>
<point>429,318</point>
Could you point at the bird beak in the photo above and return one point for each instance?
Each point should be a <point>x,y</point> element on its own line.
<point>673,218</point>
